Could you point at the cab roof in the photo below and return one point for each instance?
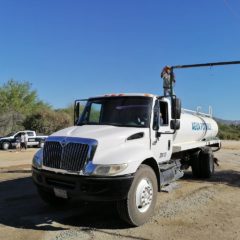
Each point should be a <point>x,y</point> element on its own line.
<point>125,94</point>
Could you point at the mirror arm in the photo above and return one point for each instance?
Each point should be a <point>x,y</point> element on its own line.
<point>160,133</point>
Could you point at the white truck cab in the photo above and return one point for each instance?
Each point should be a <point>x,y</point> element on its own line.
<point>125,148</point>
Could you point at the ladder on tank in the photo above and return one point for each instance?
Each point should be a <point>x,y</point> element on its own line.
<point>198,113</point>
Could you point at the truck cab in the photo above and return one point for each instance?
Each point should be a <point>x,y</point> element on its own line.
<point>120,149</point>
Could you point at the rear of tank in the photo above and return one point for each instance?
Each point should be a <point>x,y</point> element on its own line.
<point>194,127</point>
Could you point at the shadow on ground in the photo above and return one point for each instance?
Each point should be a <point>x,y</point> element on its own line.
<point>227,177</point>
<point>21,207</point>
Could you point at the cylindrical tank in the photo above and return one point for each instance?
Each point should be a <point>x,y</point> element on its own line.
<point>195,127</point>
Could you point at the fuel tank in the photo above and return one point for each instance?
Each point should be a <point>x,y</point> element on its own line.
<point>195,127</point>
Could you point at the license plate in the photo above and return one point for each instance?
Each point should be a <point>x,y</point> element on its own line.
<point>60,193</point>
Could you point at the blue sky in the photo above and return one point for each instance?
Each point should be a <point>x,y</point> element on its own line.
<point>72,49</point>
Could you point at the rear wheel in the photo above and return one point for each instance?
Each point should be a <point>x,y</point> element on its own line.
<point>140,203</point>
<point>202,163</point>
<point>207,163</point>
<point>195,164</point>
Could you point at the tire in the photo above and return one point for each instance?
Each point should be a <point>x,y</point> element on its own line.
<point>202,163</point>
<point>144,188</point>
<point>195,164</point>
<point>51,199</point>
<point>206,162</point>
<point>6,145</point>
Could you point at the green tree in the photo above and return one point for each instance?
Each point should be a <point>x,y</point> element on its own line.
<point>47,121</point>
<point>69,110</point>
<point>17,97</point>
<point>17,100</point>
<point>229,132</point>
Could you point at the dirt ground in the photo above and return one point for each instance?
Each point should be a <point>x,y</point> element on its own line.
<point>195,210</point>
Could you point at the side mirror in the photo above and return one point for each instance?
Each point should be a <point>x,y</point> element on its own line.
<point>156,121</point>
<point>156,112</point>
<point>79,106</point>
<point>76,111</point>
<point>176,108</point>
<point>175,124</point>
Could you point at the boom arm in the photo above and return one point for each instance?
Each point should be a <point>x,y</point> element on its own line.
<point>198,65</point>
<point>205,64</point>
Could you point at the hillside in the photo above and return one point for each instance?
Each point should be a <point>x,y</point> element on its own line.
<point>227,122</point>
<point>229,131</point>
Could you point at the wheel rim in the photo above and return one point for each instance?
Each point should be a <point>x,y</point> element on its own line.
<point>144,195</point>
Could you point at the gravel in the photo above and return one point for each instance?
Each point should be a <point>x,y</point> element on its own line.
<point>74,234</point>
<point>190,202</point>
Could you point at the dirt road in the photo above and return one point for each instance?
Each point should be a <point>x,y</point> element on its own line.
<point>195,210</point>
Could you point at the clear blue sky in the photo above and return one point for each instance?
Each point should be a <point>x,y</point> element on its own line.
<point>73,49</point>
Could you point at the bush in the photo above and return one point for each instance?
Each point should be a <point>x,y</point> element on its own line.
<point>47,121</point>
<point>229,132</point>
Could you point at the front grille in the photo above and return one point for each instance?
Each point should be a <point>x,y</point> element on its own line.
<point>71,156</point>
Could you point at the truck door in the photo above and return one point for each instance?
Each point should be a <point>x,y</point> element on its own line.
<point>161,145</point>
<point>31,138</point>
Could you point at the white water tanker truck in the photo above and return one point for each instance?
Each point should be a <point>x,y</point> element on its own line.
<point>125,148</point>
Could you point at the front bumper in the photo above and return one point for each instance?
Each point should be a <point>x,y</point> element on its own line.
<point>89,188</point>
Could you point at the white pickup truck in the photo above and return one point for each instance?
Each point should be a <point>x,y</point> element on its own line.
<point>9,141</point>
<point>125,148</point>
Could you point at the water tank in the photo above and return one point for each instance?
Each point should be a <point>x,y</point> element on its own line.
<point>195,127</point>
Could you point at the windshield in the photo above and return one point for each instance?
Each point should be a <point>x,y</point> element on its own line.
<point>117,111</point>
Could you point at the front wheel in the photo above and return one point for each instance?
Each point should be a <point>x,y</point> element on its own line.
<point>5,145</point>
<point>140,203</point>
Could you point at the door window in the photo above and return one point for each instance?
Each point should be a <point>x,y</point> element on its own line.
<point>164,119</point>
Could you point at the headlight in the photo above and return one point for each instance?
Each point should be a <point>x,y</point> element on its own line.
<point>38,159</point>
<point>104,170</point>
